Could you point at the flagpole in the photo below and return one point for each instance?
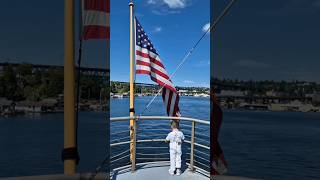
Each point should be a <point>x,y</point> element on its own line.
<point>70,151</point>
<point>132,121</point>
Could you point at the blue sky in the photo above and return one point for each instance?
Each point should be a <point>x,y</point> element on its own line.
<point>259,40</point>
<point>173,26</point>
<point>268,40</point>
<point>33,32</point>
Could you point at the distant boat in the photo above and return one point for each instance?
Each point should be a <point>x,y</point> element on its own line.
<point>201,95</point>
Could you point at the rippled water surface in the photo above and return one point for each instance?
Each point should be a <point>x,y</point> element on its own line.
<point>268,145</point>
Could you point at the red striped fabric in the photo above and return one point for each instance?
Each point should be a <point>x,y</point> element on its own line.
<point>153,60</point>
<point>97,5</point>
<point>96,32</point>
<point>170,95</point>
<point>95,19</point>
<point>154,70</point>
<point>148,62</point>
<point>217,160</point>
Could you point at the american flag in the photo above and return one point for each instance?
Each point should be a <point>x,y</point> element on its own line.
<point>149,62</point>
<point>95,19</point>
<point>217,160</point>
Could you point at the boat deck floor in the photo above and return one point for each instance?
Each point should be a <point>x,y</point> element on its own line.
<point>158,171</point>
<point>153,171</point>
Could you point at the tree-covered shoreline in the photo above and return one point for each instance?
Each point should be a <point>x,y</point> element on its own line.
<point>24,82</point>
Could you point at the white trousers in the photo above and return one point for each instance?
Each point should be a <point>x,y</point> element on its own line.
<point>175,159</point>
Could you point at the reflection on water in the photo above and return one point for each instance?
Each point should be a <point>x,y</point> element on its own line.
<point>158,129</point>
<point>269,145</point>
<point>272,145</point>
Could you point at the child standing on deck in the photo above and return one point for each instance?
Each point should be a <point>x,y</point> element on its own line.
<point>175,137</point>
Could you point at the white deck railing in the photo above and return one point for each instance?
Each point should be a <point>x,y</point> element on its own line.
<point>198,141</point>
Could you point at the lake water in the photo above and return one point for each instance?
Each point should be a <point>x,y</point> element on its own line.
<point>269,145</point>
<point>190,107</point>
<point>272,145</point>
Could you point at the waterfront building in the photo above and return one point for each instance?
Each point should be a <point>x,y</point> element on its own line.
<point>6,105</point>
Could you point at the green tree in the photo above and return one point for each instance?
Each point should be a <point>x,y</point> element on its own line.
<point>32,93</point>
<point>11,89</point>
<point>2,87</point>
<point>54,82</point>
<point>24,74</point>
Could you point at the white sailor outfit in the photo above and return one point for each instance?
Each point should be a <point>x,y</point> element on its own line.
<point>175,137</point>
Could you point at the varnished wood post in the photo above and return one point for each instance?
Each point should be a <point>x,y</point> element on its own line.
<point>132,71</point>
<point>69,82</point>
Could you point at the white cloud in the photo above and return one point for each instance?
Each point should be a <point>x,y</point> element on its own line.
<point>151,2</point>
<point>164,11</point>
<point>157,29</point>
<point>166,7</point>
<point>206,27</point>
<point>188,82</point>
<point>174,4</point>
<point>204,84</point>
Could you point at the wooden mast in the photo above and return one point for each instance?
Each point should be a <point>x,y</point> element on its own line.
<point>69,91</point>
<point>132,121</point>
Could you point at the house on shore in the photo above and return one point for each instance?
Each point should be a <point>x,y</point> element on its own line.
<point>294,106</point>
<point>46,105</point>
<point>28,107</point>
<point>49,105</point>
<point>6,106</point>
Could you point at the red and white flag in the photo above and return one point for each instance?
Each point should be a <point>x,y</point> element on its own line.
<point>149,62</point>
<point>95,19</point>
<point>217,160</point>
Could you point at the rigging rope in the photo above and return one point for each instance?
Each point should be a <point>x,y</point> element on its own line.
<point>78,89</point>
<point>210,29</point>
<point>98,169</point>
